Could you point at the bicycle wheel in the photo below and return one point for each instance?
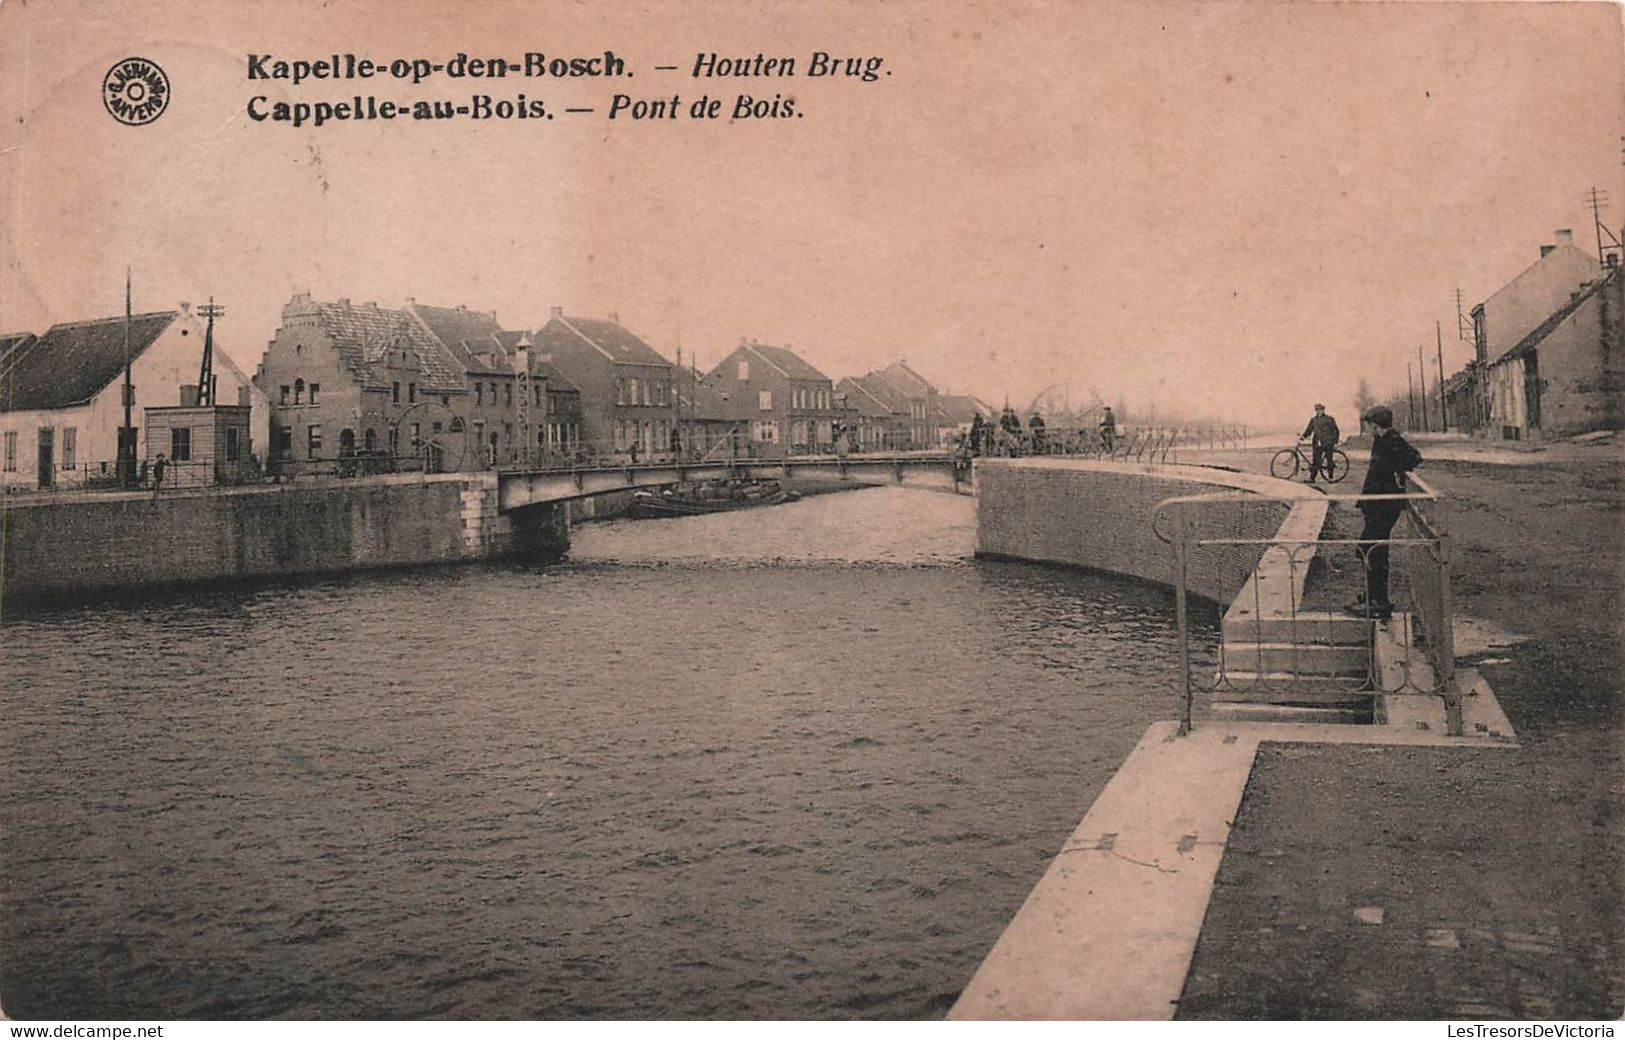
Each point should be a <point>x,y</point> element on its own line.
<point>1339,466</point>
<point>1284,466</point>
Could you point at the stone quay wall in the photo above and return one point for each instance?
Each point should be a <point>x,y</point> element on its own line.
<point>1094,514</point>
<point>64,544</point>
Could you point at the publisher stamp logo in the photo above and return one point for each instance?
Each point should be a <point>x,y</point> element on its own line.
<point>135,91</point>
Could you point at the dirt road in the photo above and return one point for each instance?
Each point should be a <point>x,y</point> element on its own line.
<point>1496,875</point>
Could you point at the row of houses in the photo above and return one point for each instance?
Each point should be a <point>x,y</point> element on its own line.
<point>1547,351</point>
<point>343,387</point>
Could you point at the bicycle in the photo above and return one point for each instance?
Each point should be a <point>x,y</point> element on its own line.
<point>1288,461</point>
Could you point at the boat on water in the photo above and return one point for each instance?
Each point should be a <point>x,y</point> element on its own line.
<point>708,496</point>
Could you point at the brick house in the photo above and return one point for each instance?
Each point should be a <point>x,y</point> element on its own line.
<point>61,394</point>
<point>1564,377</point>
<point>868,415</point>
<point>1503,320</point>
<point>487,353</point>
<point>912,400</point>
<point>364,381</point>
<point>626,387</point>
<point>789,404</point>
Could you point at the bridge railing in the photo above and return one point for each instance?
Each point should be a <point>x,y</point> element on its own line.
<point>1286,638</point>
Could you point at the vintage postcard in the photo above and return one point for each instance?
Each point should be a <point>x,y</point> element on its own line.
<point>882,509</point>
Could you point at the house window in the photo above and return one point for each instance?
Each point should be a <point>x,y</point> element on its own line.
<point>70,447</point>
<point>765,432</point>
<point>634,384</point>
<point>445,400</point>
<point>744,371</point>
<point>479,392</point>
<point>507,394</point>
<point>647,399</point>
<point>180,444</point>
<point>11,451</point>
<point>298,391</point>
<point>764,400</point>
<point>370,440</point>
<point>479,433</point>
<point>286,390</point>
<point>507,433</point>
<point>395,393</point>
<point>315,389</point>
<point>660,393</point>
<point>233,448</point>
<point>313,444</point>
<point>284,440</point>
<point>411,393</point>
<point>417,435</point>
<point>538,392</point>
<point>620,391</point>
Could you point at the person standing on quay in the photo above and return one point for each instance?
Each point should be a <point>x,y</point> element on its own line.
<point>158,468</point>
<point>1391,458</point>
<point>1108,431</point>
<point>1323,435</point>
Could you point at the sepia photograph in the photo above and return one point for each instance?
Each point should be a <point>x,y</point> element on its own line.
<point>606,511</point>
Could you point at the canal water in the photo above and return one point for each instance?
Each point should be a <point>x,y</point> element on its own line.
<point>799,762</point>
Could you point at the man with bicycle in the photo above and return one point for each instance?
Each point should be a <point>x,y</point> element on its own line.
<point>1323,435</point>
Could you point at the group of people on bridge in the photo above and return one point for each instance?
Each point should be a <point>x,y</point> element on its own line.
<point>1007,438</point>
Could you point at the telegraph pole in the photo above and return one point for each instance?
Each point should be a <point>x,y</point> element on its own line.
<point>205,378</point>
<point>126,441</point>
<point>1410,393</point>
<point>1422,386</point>
<point>1444,415</point>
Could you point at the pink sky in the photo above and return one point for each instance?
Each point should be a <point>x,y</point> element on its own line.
<point>1232,208</point>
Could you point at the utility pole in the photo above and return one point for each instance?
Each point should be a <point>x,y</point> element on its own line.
<point>1598,201</point>
<point>1410,393</point>
<point>126,440</point>
<point>1422,386</point>
<point>1444,415</point>
<point>205,377</point>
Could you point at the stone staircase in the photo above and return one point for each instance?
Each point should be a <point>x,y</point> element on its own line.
<point>1281,662</point>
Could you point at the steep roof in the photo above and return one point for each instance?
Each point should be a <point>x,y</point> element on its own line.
<point>906,379</point>
<point>74,361</point>
<point>608,338</point>
<point>1530,343</point>
<point>362,335</point>
<point>466,334</point>
<point>787,361</point>
<point>11,341</point>
<point>863,398</point>
<point>960,408</point>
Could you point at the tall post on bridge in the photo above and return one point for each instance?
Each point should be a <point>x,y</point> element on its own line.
<point>527,436</point>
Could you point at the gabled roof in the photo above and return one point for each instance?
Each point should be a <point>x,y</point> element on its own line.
<point>470,336</point>
<point>906,379</point>
<point>862,398</point>
<point>607,338</point>
<point>786,361</point>
<point>74,361</point>
<point>362,335</point>
<point>1530,343</point>
<point>960,408</point>
<point>10,341</point>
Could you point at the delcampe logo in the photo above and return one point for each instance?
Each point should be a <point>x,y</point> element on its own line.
<point>135,91</point>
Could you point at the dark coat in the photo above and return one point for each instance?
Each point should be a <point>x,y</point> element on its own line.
<point>1323,428</point>
<point>1391,458</point>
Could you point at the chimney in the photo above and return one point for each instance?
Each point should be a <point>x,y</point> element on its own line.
<point>371,305</point>
<point>344,301</point>
<point>616,318</point>
<point>557,312</point>
<point>1546,249</point>
<point>186,308</point>
<point>1564,236</point>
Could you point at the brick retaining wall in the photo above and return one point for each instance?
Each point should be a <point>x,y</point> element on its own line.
<point>61,544</point>
<point>1098,515</point>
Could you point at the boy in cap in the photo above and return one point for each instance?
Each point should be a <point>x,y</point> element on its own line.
<point>1391,458</point>
<point>1323,434</point>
